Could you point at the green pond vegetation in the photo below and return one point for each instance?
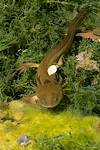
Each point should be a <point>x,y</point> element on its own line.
<point>29,28</point>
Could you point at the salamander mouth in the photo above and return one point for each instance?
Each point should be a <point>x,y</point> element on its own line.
<point>44,103</point>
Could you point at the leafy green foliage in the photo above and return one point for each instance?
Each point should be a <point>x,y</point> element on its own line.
<point>81,89</point>
<point>28,28</point>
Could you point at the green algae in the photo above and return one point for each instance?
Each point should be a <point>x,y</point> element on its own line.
<point>47,129</point>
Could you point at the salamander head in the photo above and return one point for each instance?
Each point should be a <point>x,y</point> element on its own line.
<point>49,94</point>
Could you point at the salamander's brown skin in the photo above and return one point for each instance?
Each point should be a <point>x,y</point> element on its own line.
<point>49,91</point>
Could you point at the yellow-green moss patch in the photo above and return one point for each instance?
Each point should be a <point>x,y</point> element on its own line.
<point>45,127</point>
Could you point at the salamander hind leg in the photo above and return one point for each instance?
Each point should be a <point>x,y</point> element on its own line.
<point>33,100</point>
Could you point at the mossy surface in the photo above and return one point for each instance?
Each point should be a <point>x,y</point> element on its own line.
<point>47,130</point>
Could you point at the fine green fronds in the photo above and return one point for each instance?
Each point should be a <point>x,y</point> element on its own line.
<point>83,86</point>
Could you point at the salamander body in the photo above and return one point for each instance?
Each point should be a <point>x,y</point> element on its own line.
<point>49,91</point>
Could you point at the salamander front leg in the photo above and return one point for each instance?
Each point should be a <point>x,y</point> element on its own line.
<point>25,66</point>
